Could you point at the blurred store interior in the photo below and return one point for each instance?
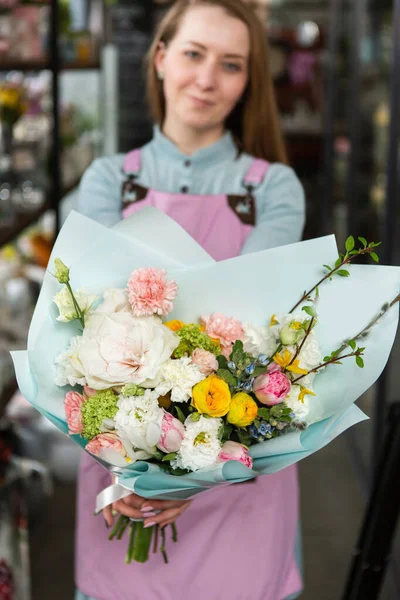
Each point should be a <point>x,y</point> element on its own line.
<point>72,89</point>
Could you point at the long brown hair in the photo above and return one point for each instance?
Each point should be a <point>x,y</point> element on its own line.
<point>254,122</point>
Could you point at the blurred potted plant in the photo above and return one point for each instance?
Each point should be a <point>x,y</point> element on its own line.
<point>13,104</point>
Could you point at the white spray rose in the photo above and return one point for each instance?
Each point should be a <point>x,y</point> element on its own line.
<point>66,307</point>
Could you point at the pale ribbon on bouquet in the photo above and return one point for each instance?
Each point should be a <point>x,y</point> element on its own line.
<point>117,491</point>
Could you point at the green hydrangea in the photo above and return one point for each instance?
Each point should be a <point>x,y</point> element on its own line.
<point>95,409</point>
<point>131,389</point>
<point>191,338</point>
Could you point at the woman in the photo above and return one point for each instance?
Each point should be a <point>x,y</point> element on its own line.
<point>212,99</point>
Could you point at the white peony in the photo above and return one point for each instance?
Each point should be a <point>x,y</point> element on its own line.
<point>114,300</point>
<point>69,369</point>
<point>119,348</point>
<point>66,307</point>
<point>201,445</point>
<point>259,340</point>
<point>300,409</point>
<point>138,422</point>
<point>179,375</point>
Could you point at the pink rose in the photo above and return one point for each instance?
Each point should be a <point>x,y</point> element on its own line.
<point>105,441</point>
<point>172,434</point>
<point>149,292</point>
<point>73,403</point>
<point>88,392</point>
<point>235,451</point>
<point>225,329</point>
<point>206,361</point>
<point>271,388</point>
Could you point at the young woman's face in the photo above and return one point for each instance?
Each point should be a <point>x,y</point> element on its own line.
<point>205,68</point>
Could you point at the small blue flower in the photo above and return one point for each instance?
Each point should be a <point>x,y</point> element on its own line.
<point>263,359</point>
<point>231,366</point>
<point>250,369</point>
<point>292,415</point>
<point>263,429</point>
<point>253,431</point>
<point>248,385</point>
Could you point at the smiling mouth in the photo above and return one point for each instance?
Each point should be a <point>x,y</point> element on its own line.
<point>201,102</point>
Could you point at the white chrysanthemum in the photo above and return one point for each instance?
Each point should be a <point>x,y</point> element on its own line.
<point>300,409</point>
<point>259,340</point>
<point>66,307</point>
<point>69,369</point>
<point>138,421</point>
<point>178,376</point>
<point>201,445</point>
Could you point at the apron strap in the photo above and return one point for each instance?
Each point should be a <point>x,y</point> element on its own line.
<point>133,162</point>
<point>256,172</point>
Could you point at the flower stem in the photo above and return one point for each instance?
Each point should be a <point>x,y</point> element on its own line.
<point>142,542</point>
<point>162,547</point>
<point>119,524</point>
<point>328,362</point>
<point>155,543</point>
<point>131,546</point>
<point>174,532</point>
<point>303,341</point>
<point>79,312</point>
<point>346,260</point>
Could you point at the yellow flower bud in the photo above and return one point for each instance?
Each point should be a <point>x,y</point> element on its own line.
<point>243,410</point>
<point>212,396</point>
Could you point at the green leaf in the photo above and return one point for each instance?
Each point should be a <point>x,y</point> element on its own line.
<point>338,261</point>
<point>263,413</point>
<point>222,361</point>
<point>375,244</point>
<point>352,344</point>
<point>326,358</point>
<point>374,257</point>
<point>342,273</point>
<point>180,414</point>
<point>259,371</point>
<point>310,310</point>
<point>227,376</point>
<point>237,346</point>
<point>170,456</point>
<point>227,431</point>
<point>349,243</point>
<point>359,361</point>
<point>327,267</point>
<point>363,241</point>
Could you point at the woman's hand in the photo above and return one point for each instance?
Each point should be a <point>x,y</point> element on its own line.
<point>153,512</point>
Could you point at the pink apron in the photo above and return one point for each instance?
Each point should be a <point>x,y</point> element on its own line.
<point>236,543</point>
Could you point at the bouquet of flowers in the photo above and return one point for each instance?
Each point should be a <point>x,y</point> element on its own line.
<point>173,397</point>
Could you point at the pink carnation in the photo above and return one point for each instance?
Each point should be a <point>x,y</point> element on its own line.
<point>73,403</point>
<point>225,329</point>
<point>149,292</point>
<point>105,441</point>
<point>206,361</point>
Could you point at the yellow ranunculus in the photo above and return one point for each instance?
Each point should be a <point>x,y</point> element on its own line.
<point>174,325</point>
<point>212,397</point>
<point>243,410</point>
